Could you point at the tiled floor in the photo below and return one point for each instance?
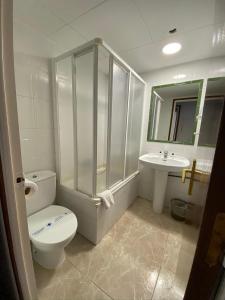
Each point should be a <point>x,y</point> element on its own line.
<point>144,256</point>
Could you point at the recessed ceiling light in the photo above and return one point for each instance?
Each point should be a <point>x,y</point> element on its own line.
<point>179,76</point>
<point>171,48</point>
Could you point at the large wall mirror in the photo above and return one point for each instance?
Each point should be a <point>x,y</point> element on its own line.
<point>212,111</point>
<point>173,112</point>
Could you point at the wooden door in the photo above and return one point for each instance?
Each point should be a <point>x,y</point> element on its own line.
<point>207,265</point>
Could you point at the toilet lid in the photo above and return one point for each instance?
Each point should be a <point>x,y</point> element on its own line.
<point>52,224</point>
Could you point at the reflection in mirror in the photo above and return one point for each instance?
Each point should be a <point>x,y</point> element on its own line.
<point>173,112</point>
<point>213,106</point>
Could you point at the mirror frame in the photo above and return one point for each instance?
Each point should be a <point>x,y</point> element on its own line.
<point>151,110</point>
<point>207,80</point>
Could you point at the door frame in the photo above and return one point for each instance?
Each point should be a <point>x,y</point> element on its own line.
<point>10,154</point>
<point>204,280</point>
<point>10,279</point>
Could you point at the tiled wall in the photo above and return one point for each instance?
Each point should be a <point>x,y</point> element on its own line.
<point>202,69</point>
<point>35,112</point>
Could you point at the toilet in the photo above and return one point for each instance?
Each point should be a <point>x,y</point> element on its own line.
<point>51,227</point>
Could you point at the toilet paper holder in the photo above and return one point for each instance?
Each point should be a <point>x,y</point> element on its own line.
<point>30,188</point>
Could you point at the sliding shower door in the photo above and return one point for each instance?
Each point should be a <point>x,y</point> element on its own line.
<point>102,118</point>
<point>84,86</point>
<point>117,123</point>
<point>134,124</point>
<point>64,95</point>
<point>99,110</point>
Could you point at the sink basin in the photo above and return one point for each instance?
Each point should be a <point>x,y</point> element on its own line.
<point>173,163</point>
<point>161,169</point>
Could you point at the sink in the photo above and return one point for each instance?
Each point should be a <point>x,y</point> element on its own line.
<point>161,167</point>
<point>173,163</point>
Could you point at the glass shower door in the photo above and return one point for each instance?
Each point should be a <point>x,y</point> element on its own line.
<point>117,124</point>
<point>134,125</point>
<point>102,118</point>
<point>64,93</point>
<point>84,85</point>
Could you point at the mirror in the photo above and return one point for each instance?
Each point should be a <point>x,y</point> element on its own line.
<point>212,111</point>
<point>173,112</point>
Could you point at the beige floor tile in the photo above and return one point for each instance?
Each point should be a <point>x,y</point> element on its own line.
<point>166,287</point>
<point>171,284</point>
<point>189,238</point>
<point>90,259</point>
<point>125,265</point>
<point>125,279</point>
<point>172,251</point>
<point>65,283</point>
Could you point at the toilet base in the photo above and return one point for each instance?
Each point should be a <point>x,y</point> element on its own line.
<point>49,259</point>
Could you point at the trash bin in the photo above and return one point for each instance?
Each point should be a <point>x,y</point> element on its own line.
<point>178,209</point>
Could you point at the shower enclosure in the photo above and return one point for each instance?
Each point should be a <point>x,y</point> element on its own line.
<point>98,116</point>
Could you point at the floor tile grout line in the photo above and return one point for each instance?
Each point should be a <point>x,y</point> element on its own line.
<point>102,290</point>
<point>156,282</point>
<point>88,279</point>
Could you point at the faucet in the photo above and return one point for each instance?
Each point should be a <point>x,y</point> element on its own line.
<point>165,154</point>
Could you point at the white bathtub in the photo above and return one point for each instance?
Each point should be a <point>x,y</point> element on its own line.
<point>94,220</point>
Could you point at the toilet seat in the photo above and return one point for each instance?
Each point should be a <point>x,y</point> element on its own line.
<point>52,225</point>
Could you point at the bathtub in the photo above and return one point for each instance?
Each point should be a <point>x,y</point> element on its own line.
<point>94,220</point>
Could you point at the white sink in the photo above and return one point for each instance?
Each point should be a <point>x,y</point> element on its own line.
<point>174,163</point>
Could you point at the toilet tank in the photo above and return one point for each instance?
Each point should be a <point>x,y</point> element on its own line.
<point>45,196</point>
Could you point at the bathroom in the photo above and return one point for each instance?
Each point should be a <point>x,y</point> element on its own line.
<point>118,121</point>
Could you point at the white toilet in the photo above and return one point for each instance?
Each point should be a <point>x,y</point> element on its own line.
<point>51,227</point>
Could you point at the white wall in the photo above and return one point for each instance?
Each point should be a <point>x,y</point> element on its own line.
<point>34,100</point>
<point>202,69</point>
<point>35,112</point>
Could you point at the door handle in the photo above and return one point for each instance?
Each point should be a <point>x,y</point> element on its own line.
<point>217,242</point>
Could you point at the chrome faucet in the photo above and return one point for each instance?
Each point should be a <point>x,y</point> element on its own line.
<point>165,154</point>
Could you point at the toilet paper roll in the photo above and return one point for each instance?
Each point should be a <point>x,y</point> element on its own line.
<point>30,188</point>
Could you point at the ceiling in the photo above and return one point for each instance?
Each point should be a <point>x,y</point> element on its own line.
<point>136,29</point>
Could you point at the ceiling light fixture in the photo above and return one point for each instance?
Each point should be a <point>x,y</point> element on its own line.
<point>179,76</point>
<point>171,48</point>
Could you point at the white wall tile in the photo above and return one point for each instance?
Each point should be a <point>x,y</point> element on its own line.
<point>35,110</point>
<point>29,150</point>
<point>30,41</point>
<point>44,114</point>
<point>45,145</point>
<point>40,84</point>
<point>23,75</point>
<point>26,112</point>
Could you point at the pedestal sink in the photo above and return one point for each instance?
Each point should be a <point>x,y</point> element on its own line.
<point>173,163</point>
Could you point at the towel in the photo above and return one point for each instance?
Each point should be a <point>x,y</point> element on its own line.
<point>30,188</point>
<point>107,198</point>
